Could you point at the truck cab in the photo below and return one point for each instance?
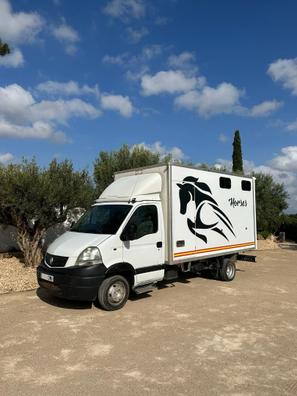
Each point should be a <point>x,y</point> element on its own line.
<point>116,246</point>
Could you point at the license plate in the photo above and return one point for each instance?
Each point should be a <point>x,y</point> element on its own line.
<point>49,278</point>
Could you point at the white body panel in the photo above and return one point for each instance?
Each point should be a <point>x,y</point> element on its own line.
<point>227,215</point>
<point>211,220</point>
<point>125,188</point>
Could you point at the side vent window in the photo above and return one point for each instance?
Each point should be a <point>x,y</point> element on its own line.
<point>225,182</point>
<point>246,185</point>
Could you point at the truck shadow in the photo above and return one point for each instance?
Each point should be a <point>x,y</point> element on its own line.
<point>62,303</point>
<point>165,284</point>
<point>68,304</point>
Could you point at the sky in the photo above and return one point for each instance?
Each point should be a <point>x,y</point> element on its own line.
<point>176,76</point>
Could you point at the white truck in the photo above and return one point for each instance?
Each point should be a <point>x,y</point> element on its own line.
<point>149,225</point>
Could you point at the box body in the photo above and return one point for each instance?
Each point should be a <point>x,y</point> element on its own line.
<point>205,214</point>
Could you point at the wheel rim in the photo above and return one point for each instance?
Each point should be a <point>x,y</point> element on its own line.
<point>230,271</point>
<point>116,293</point>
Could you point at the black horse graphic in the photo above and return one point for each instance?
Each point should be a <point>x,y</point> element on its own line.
<point>200,193</point>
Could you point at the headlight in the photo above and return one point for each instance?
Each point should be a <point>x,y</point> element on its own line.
<point>89,256</point>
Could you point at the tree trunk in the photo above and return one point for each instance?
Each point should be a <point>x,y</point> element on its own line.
<point>30,245</point>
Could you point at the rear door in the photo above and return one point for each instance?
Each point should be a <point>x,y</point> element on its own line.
<point>145,249</point>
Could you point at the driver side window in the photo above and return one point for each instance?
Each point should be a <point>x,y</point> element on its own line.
<point>144,221</point>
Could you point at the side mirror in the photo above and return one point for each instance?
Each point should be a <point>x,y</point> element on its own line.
<point>129,232</point>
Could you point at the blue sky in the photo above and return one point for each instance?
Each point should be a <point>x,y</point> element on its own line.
<point>176,76</point>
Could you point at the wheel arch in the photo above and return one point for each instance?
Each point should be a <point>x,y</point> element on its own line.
<point>124,269</point>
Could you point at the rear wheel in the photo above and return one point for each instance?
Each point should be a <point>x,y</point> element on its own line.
<point>113,293</point>
<point>227,271</point>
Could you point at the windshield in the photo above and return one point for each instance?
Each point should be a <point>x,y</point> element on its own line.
<point>102,219</point>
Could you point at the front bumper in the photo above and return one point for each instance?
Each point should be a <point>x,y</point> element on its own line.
<point>73,283</point>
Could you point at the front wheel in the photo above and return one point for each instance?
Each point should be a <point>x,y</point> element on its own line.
<point>227,271</point>
<point>113,293</point>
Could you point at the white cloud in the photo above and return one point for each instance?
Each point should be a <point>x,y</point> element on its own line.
<point>189,100</point>
<point>150,52</point>
<point>136,65</point>
<point>15,102</point>
<point>115,60</point>
<point>65,33</point>
<point>5,158</point>
<point>70,49</point>
<point>67,36</point>
<point>223,138</point>
<point>211,101</point>
<point>285,72</point>
<point>167,82</point>
<point>18,105</point>
<point>176,153</point>
<point>125,9</point>
<point>292,126</point>
<point>194,93</point>
<point>38,130</point>
<point>14,59</point>
<point>137,74</point>
<point>287,160</point>
<point>184,61</point>
<point>264,109</point>
<point>60,111</point>
<point>119,103</point>
<point>70,88</point>
<point>18,27</point>
<point>136,35</point>
<point>22,116</point>
<point>128,60</point>
<point>222,163</point>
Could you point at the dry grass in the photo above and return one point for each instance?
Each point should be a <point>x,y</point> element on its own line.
<point>14,276</point>
<point>268,244</point>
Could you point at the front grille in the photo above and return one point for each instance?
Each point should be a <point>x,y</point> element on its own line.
<point>55,261</point>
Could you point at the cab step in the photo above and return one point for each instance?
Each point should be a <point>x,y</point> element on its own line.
<point>145,288</point>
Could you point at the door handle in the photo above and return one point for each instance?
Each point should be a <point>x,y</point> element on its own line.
<point>159,244</point>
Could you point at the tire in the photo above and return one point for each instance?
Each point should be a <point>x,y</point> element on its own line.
<point>113,293</point>
<point>227,270</point>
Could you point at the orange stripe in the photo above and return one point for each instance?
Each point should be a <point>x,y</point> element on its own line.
<point>213,249</point>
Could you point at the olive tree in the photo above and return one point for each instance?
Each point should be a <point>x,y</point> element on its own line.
<point>271,201</point>
<point>108,163</point>
<point>33,199</point>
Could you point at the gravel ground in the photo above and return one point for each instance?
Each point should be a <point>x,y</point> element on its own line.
<point>14,276</point>
<point>193,337</point>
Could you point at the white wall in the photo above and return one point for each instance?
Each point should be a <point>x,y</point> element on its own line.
<point>8,233</point>
<point>7,238</point>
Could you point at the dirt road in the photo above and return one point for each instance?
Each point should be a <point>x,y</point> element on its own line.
<point>197,337</point>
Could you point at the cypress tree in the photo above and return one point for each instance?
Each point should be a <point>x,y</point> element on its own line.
<point>237,163</point>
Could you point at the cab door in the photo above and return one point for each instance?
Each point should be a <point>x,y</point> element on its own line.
<point>143,245</point>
